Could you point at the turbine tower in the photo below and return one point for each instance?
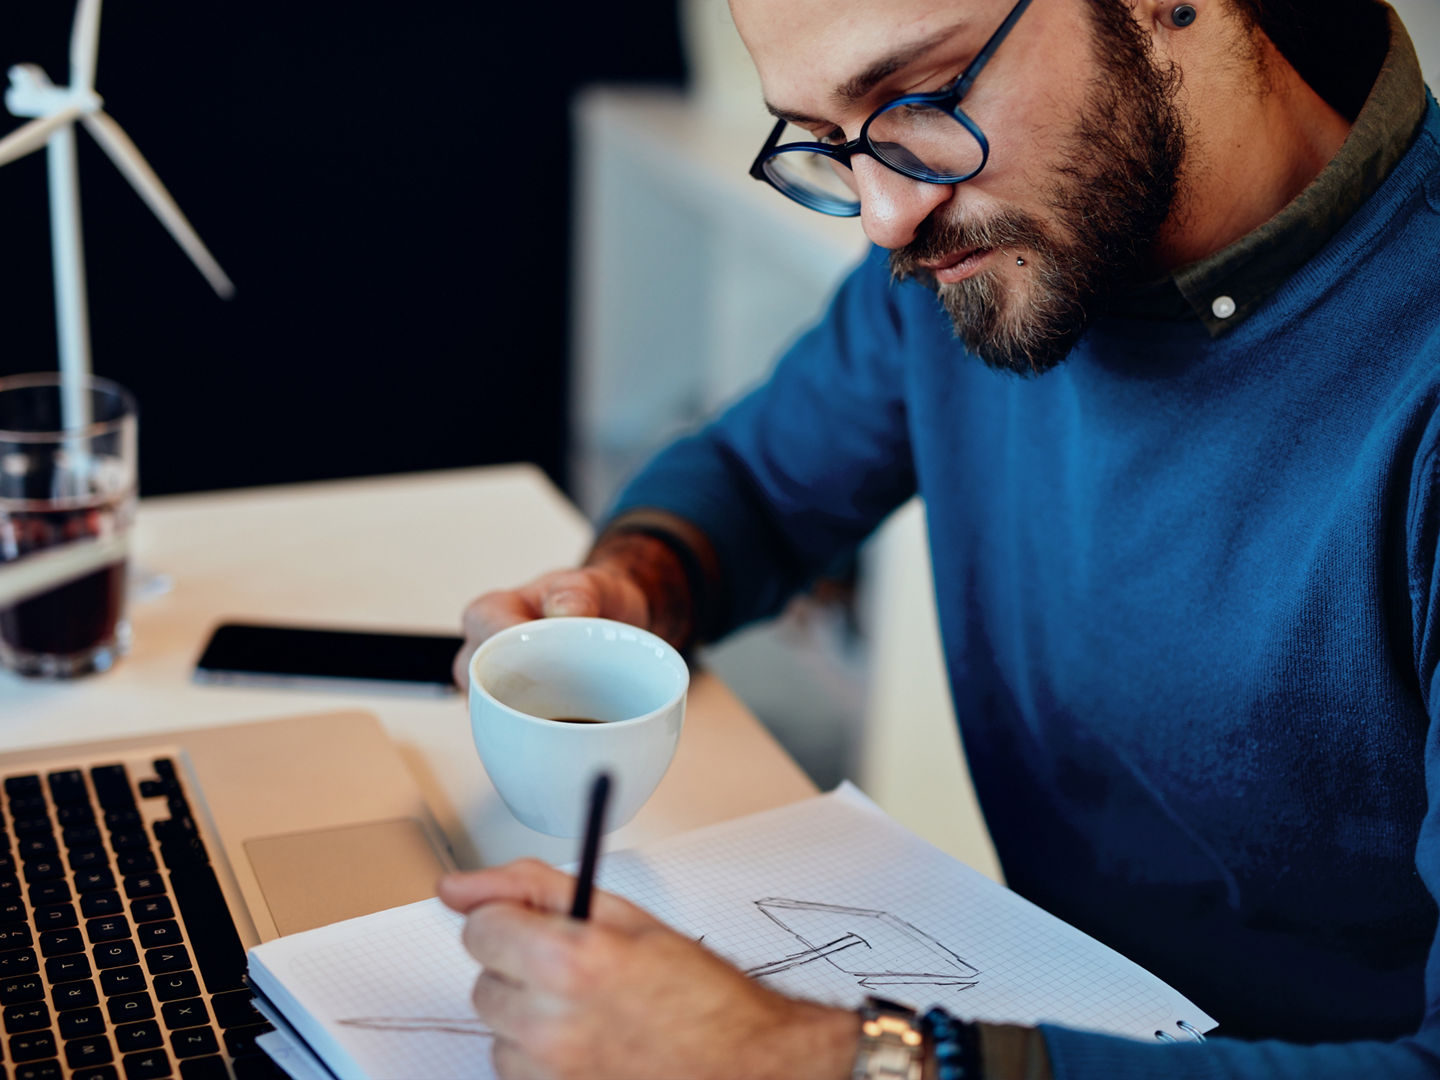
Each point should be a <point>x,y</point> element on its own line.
<point>56,109</point>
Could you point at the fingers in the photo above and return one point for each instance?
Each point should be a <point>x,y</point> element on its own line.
<point>525,881</point>
<point>534,884</point>
<point>589,591</point>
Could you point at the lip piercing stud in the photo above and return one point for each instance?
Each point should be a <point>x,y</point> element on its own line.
<point>1183,15</point>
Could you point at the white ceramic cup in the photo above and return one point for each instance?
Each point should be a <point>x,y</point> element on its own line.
<point>523,678</point>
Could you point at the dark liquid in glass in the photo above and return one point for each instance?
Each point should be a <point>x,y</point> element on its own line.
<point>75,616</point>
<point>575,720</point>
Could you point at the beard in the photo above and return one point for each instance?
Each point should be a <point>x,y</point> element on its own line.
<point>1109,200</point>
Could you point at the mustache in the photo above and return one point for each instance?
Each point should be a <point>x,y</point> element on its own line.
<point>937,238</point>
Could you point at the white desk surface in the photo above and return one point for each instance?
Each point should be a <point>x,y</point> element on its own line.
<point>399,552</point>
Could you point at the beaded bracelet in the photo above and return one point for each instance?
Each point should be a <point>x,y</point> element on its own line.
<point>955,1044</point>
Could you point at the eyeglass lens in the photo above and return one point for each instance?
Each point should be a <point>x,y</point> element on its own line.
<point>921,141</point>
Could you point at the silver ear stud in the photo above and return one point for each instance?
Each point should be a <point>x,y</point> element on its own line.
<point>1183,15</point>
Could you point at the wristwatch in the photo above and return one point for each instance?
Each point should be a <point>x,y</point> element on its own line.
<point>891,1044</point>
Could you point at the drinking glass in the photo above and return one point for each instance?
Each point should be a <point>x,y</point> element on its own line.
<point>67,473</point>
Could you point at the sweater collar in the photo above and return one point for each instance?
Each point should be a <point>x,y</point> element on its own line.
<point>1223,289</point>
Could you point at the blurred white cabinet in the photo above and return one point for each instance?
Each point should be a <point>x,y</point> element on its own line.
<point>691,278</point>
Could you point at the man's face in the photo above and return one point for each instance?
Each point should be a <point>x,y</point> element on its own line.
<point>1085,151</point>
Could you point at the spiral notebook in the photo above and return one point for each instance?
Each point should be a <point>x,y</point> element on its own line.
<point>827,899</point>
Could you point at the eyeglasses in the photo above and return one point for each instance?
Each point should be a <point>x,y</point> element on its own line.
<point>926,137</point>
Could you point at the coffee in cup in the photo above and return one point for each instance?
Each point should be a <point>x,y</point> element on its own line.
<point>557,701</point>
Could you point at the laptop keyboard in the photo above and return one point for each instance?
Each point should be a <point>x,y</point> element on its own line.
<point>119,959</point>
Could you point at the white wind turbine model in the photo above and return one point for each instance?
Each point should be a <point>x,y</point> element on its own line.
<point>56,109</point>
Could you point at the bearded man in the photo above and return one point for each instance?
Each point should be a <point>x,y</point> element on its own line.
<point>1152,324</point>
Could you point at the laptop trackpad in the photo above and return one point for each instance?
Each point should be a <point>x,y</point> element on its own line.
<point>315,878</point>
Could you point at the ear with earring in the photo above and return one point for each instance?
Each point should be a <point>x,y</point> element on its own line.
<point>1182,15</point>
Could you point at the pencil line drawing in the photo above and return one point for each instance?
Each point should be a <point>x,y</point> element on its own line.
<point>876,947</point>
<point>447,1025</point>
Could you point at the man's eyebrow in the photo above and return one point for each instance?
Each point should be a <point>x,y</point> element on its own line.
<point>856,89</point>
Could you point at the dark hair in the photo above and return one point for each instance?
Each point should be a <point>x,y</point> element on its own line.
<point>1336,45</point>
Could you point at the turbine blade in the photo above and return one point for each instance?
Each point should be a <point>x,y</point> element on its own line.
<point>142,178</point>
<point>32,136</point>
<point>84,44</point>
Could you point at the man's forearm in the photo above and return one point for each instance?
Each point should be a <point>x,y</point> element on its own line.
<point>674,566</point>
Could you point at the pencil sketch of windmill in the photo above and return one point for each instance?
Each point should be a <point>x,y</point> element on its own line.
<point>875,947</point>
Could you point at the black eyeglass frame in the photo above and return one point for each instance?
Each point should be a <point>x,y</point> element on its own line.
<point>947,100</point>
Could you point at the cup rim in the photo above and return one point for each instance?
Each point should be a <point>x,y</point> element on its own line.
<point>89,431</point>
<point>554,620</point>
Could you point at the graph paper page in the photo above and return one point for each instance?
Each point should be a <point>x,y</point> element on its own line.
<point>826,899</point>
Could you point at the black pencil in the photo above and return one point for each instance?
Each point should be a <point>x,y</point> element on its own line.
<point>590,853</point>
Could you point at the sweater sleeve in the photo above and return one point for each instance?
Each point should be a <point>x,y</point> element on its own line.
<point>801,469</point>
<point>1076,1055</point>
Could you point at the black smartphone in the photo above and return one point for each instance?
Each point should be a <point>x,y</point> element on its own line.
<point>251,654</point>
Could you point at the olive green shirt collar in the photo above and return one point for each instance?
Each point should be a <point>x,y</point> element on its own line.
<point>1222,289</point>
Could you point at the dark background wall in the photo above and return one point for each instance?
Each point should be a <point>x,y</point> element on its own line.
<point>387,185</point>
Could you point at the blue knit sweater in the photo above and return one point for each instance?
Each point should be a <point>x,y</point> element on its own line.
<point>1190,601</point>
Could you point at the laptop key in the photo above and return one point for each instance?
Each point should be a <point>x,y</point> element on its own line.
<point>73,995</point>
<point>112,928</point>
<point>14,935</point>
<point>175,985</point>
<point>112,787</point>
<point>151,789</point>
<point>135,862</point>
<point>32,1017</point>
<point>104,902</point>
<point>76,814</point>
<point>60,942</point>
<point>156,907</point>
<point>28,806</point>
<point>122,980</point>
<point>170,958</point>
<point>193,1042</point>
<point>56,917</point>
<point>12,911</point>
<point>241,1040</point>
<point>127,1007</point>
<point>45,893</point>
<point>155,934</point>
<point>18,962</point>
<point>258,1067</point>
<point>44,869</point>
<point>115,954</point>
<point>9,886</point>
<point>39,1070</point>
<point>37,825</point>
<point>59,969</point>
<point>83,1024</point>
<point>21,786</point>
<point>96,1072</point>
<point>218,952</point>
<point>123,819</point>
<point>87,858</point>
<point>80,836</point>
<point>32,1046</point>
<point>19,991</point>
<point>130,839</point>
<point>204,1068</point>
<point>184,1013</point>
<point>89,1050</point>
<point>68,786</point>
<point>233,1009</point>
<point>148,1066</point>
<point>93,880</point>
<point>144,1035</point>
<point>146,885</point>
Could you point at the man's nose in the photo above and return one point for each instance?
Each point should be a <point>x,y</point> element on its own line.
<point>892,205</point>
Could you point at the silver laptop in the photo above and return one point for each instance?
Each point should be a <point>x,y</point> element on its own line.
<point>128,862</point>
